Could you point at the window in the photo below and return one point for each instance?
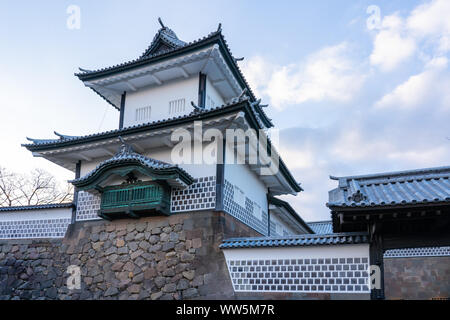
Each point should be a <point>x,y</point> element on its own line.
<point>239,196</point>
<point>177,106</point>
<point>143,113</point>
<point>257,212</point>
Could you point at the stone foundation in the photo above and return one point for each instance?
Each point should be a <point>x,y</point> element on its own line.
<point>173,257</point>
<point>417,278</point>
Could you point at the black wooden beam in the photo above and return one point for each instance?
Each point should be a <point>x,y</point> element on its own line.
<point>376,253</point>
<point>202,90</point>
<point>220,175</point>
<point>416,240</point>
<point>122,109</point>
<point>75,192</point>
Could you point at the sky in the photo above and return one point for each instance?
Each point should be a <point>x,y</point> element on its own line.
<point>355,87</point>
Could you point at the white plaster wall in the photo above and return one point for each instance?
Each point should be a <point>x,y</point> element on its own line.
<point>314,252</point>
<point>158,98</point>
<point>195,170</point>
<point>88,166</point>
<point>213,93</point>
<point>247,181</point>
<point>56,213</point>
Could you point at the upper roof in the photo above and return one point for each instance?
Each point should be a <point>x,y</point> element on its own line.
<point>166,45</point>
<point>296,241</point>
<point>403,188</point>
<point>164,40</point>
<point>38,207</point>
<point>321,227</point>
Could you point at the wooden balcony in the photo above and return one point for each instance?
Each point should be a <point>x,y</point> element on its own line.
<point>135,200</point>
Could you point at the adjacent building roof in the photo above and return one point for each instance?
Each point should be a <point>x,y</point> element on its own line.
<point>125,157</point>
<point>38,207</point>
<point>321,227</point>
<point>404,188</point>
<point>296,241</point>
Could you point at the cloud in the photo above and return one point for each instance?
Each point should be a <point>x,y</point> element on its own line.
<point>392,45</point>
<point>425,31</point>
<point>432,20</point>
<point>422,89</point>
<point>327,75</point>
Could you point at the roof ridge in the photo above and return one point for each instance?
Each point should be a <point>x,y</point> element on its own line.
<point>393,174</point>
<point>151,56</point>
<point>323,221</point>
<point>38,207</point>
<point>299,236</point>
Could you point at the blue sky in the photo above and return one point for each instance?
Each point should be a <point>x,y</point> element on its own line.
<point>348,100</point>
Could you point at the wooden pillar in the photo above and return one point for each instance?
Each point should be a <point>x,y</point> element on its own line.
<point>376,252</point>
<point>202,90</point>
<point>122,110</point>
<point>75,192</point>
<point>220,175</point>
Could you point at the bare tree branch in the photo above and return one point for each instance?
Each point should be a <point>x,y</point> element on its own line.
<point>38,187</point>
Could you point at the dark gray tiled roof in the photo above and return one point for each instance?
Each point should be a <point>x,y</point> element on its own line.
<point>296,241</point>
<point>148,57</point>
<point>126,154</point>
<point>37,207</point>
<point>321,227</point>
<point>423,186</point>
<point>166,35</point>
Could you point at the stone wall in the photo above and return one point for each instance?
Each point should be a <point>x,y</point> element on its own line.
<point>417,278</point>
<point>176,257</point>
<point>173,257</point>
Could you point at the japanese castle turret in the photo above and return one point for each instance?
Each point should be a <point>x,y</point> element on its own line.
<point>172,151</point>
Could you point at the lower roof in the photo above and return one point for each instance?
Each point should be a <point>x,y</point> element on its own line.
<point>297,241</point>
<point>38,207</point>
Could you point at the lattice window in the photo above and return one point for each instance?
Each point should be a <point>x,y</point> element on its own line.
<point>243,213</point>
<point>177,106</point>
<point>144,113</point>
<point>328,275</point>
<point>201,195</point>
<point>29,229</point>
<point>418,252</point>
<point>88,206</point>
